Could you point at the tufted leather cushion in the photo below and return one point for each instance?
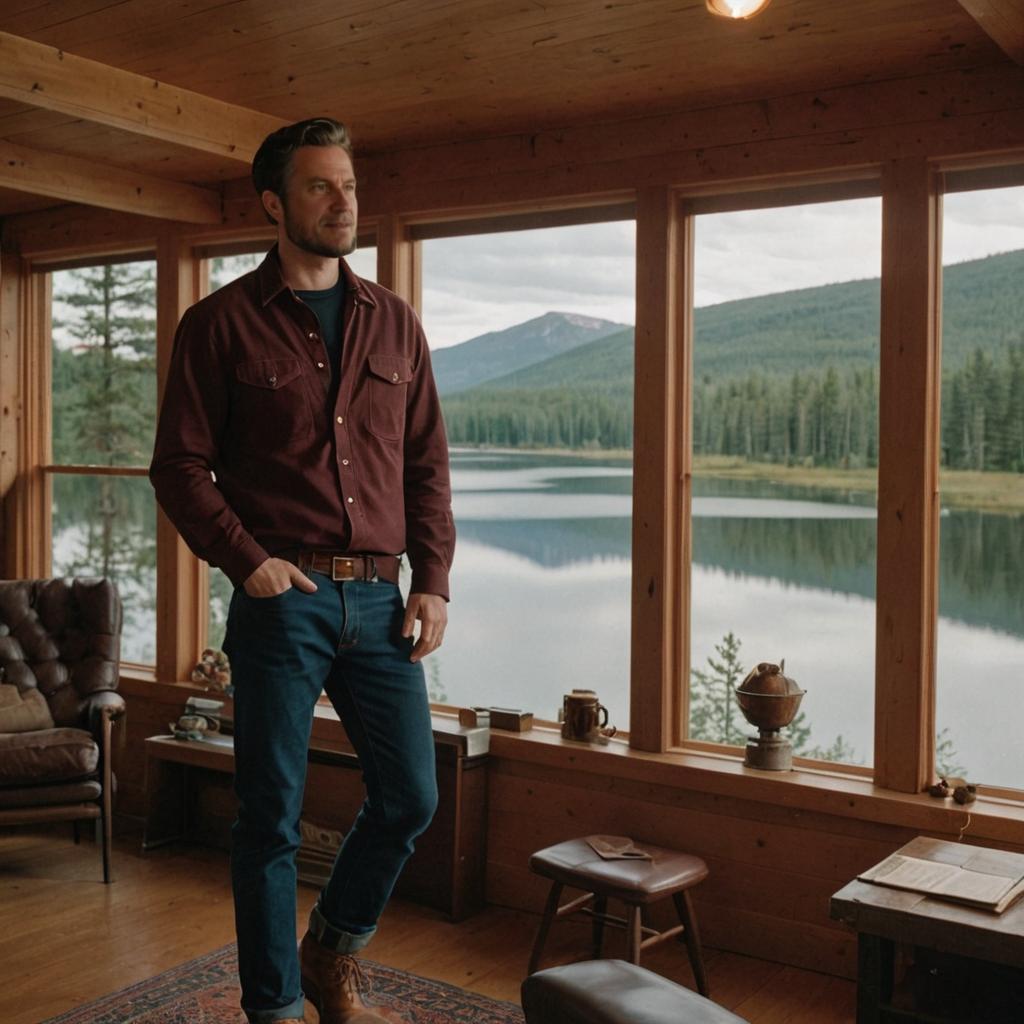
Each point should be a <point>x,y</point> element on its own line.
<point>47,756</point>
<point>62,637</point>
<point>614,992</point>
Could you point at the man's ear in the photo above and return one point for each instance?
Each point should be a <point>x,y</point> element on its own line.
<point>272,205</point>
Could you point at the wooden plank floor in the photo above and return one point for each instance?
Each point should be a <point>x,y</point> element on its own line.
<point>66,938</point>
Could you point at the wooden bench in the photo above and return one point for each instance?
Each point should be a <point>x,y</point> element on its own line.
<point>189,796</point>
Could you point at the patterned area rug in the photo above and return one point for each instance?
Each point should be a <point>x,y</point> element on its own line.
<point>205,991</point>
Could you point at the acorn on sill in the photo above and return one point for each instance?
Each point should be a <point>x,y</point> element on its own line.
<point>965,794</point>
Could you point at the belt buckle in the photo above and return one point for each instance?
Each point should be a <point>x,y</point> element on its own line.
<point>347,563</point>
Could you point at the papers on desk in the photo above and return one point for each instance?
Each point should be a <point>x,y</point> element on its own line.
<point>982,889</point>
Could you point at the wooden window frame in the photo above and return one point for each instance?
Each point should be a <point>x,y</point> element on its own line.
<point>663,483</point>
<point>908,508</point>
<point>410,232</point>
<point>911,190</point>
<point>905,592</point>
<point>34,557</point>
<point>953,177</point>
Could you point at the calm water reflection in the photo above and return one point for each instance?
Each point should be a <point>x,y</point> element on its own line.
<point>541,591</point>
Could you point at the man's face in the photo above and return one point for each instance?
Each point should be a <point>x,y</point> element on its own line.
<point>319,206</point>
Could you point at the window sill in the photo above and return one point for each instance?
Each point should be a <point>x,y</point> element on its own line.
<point>141,681</point>
<point>804,789</point>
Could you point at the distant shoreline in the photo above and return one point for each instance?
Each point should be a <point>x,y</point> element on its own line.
<point>958,488</point>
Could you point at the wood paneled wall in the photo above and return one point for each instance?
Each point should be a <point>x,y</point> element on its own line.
<point>771,871</point>
<point>10,399</point>
<point>774,863</point>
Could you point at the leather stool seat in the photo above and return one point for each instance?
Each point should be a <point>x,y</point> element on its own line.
<point>637,882</point>
<point>576,864</point>
<point>614,992</point>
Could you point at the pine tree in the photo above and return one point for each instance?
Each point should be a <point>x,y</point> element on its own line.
<point>104,414</point>
<point>714,714</point>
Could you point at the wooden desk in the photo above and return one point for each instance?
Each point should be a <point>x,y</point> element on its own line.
<point>931,961</point>
<point>189,797</point>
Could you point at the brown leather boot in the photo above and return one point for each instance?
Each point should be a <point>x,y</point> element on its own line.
<point>330,981</point>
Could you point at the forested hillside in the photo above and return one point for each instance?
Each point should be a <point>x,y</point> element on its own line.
<point>790,377</point>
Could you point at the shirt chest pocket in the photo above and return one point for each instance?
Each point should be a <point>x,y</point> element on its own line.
<point>389,385</point>
<point>272,405</point>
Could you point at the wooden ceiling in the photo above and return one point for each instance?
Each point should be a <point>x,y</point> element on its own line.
<point>411,72</point>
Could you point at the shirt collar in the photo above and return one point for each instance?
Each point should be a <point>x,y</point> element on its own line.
<point>272,282</point>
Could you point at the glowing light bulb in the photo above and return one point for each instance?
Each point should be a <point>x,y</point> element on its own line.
<point>736,8</point>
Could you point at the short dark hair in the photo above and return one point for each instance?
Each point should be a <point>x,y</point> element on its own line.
<point>272,162</point>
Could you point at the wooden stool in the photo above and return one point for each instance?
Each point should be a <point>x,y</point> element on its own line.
<point>637,883</point>
<point>613,992</point>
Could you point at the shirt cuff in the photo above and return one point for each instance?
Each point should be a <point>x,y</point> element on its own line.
<point>430,579</point>
<point>241,562</point>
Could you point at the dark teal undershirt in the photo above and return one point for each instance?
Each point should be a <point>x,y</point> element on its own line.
<point>328,306</point>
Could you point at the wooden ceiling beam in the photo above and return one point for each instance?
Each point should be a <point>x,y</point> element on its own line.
<point>74,180</point>
<point>1003,20</point>
<point>51,79</point>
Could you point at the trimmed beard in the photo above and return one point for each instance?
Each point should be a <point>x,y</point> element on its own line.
<point>310,244</point>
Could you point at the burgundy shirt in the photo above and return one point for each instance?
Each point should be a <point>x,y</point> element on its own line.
<point>252,456</point>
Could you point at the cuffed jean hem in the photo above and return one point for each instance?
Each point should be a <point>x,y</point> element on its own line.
<point>335,939</point>
<point>293,1011</point>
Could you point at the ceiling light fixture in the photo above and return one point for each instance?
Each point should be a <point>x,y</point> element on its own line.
<point>736,8</point>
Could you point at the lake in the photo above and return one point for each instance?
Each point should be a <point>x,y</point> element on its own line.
<point>541,593</point>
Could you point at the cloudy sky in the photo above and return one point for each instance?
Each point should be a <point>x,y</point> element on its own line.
<point>484,283</point>
<point>477,284</point>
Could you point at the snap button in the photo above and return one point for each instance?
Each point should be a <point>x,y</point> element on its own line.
<point>272,381</point>
<point>351,500</point>
<point>394,376</point>
<point>341,419</point>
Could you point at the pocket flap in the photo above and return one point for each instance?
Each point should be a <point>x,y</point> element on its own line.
<point>393,369</point>
<point>268,373</point>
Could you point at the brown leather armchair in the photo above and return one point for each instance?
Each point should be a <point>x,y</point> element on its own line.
<point>60,643</point>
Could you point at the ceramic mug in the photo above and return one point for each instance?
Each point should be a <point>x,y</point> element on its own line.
<point>583,715</point>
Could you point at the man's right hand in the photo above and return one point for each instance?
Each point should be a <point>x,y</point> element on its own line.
<point>275,576</point>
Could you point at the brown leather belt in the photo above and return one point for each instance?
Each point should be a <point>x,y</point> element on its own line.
<point>344,565</point>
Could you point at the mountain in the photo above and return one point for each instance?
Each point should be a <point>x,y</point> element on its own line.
<point>780,334</point>
<point>605,364</point>
<point>498,353</point>
<point>790,377</point>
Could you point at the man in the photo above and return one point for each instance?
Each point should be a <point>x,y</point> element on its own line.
<point>301,449</point>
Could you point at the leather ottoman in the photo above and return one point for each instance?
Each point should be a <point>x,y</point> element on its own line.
<point>614,992</point>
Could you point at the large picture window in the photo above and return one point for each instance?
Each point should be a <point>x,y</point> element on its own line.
<point>532,345</point>
<point>980,636</point>
<point>103,352</point>
<point>785,454</point>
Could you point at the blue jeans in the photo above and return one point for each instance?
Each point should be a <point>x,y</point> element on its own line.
<point>345,639</point>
